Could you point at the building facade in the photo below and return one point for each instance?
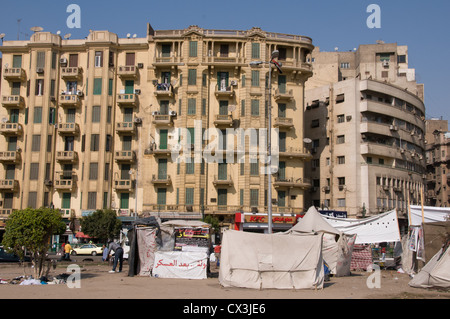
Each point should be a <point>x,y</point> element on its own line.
<point>108,122</point>
<point>365,116</point>
<point>437,140</point>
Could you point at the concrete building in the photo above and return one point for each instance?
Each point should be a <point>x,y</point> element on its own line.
<point>94,123</point>
<point>437,139</point>
<point>364,113</point>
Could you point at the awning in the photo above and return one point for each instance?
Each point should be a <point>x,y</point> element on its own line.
<point>82,235</point>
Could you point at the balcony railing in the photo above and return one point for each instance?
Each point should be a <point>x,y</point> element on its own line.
<point>13,101</point>
<point>283,95</point>
<point>125,156</point>
<point>68,128</point>
<point>127,99</point>
<point>292,152</point>
<point>10,157</point>
<point>161,179</point>
<point>14,74</point>
<point>69,99</point>
<point>164,90</point>
<point>71,72</point>
<point>224,91</point>
<point>127,71</point>
<point>283,122</point>
<point>292,182</point>
<point>125,127</point>
<point>124,184</point>
<point>11,129</point>
<point>162,120</point>
<point>65,180</point>
<point>223,120</point>
<point>11,185</point>
<point>220,180</point>
<point>67,156</point>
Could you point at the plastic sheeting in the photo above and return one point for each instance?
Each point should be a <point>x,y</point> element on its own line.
<point>430,214</point>
<point>146,237</point>
<point>435,273</point>
<point>177,264</point>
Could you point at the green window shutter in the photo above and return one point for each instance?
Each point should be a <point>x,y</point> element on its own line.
<point>255,50</point>
<point>222,197</point>
<point>128,115</point>
<point>191,131</point>
<point>255,108</point>
<point>282,110</point>
<point>163,139</point>
<point>282,143</point>
<point>192,77</point>
<point>15,90</point>
<point>243,80</point>
<point>37,118</point>
<point>203,106</point>
<point>223,107</point>
<point>222,171</point>
<point>191,106</point>
<point>282,83</point>
<point>243,108</point>
<point>165,50</point>
<point>17,61</point>
<point>14,115</point>
<point>193,49</point>
<point>254,168</point>
<point>190,166</point>
<point>52,115</point>
<point>241,197</point>
<point>97,86</point>
<point>110,86</point>
<point>189,196</point>
<point>66,200</point>
<point>124,200</point>
<point>282,170</point>
<point>162,168</point>
<point>161,196</point>
<point>129,87</point>
<point>254,194</point>
<point>255,78</point>
<point>281,198</point>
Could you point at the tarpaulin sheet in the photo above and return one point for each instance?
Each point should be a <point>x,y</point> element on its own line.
<point>430,214</point>
<point>178,264</point>
<point>146,247</point>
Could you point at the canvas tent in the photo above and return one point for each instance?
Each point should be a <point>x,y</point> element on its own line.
<point>436,272</point>
<point>184,252</point>
<point>430,214</point>
<point>259,261</point>
<point>337,247</point>
<point>371,230</point>
<point>144,238</point>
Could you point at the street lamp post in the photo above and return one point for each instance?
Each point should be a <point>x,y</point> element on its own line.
<point>274,55</point>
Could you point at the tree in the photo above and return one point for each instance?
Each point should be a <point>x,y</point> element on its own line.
<point>31,230</point>
<point>102,224</point>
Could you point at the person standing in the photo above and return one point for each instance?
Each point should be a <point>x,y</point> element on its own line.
<point>67,250</point>
<point>105,253</point>
<point>118,256</point>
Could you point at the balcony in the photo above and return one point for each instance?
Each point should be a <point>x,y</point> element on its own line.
<point>163,90</point>
<point>221,92</point>
<point>69,100</point>
<point>224,60</point>
<point>65,180</point>
<point>292,182</point>
<point>125,156</point>
<point>10,157</point>
<point>223,180</point>
<point>6,211</point>
<point>156,151</point>
<point>283,122</point>
<point>162,179</point>
<point>125,128</point>
<point>127,99</point>
<point>124,185</point>
<point>292,153</point>
<point>11,129</point>
<point>14,74</point>
<point>71,73</point>
<point>167,61</point>
<point>283,95</point>
<point>15,101</point>
<point>68,129</point>
<point>223,120</point>
<point>162,120</point>
<point>9,185</point>
<point>127,71</point>
<point>67,156</point>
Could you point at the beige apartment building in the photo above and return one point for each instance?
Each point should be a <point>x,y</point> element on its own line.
<point>97,123</point>
<point>365,115</point>
<point>437,139</point>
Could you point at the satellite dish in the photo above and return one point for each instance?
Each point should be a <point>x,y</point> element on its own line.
<point>4,120</point>
<point>67,36</point>
<point>58,32</point>
<point>2,35</point>
<point>307,140</point>
<point>134,35</point>
<point>128,35</point>
<point>36,29</point>
<point>336,48</point>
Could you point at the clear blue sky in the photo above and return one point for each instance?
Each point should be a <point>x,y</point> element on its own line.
<point>422,25</point>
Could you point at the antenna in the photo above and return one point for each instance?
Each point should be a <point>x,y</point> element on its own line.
<point>67,36</point>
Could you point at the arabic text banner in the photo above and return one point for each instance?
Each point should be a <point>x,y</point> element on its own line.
<point>177,264</point>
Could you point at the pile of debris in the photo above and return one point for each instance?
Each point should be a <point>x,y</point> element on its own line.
<point>30,280</point>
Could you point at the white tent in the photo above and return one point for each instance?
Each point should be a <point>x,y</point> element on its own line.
<point>258,261</point>
<point>371,230</point>
<point>337,247</point>
<point>430,214</point>
<point>435,273</point>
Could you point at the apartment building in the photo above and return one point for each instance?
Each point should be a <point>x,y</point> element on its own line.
<point>437,139</point>
<point>97,123</point>
<point>365,116</point>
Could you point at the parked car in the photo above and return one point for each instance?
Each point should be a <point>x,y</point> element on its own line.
<point>10,258</point>
<point>87,249</point>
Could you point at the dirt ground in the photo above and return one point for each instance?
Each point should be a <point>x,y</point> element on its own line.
<point>97,283</point>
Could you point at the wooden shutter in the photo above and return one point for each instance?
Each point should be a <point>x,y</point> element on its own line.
<point>130,59</point>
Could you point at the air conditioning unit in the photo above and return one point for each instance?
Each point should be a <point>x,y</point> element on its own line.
<point>393,128</point>
<point>80,93</point>
<point>233,83</point>
<point>155,113</point>
<point>137,91</point>
<point>326,188</point>
<point>48,182</point>
<point>173,113</point>
<point>140,65</point>
<point>341,187</point>
<point>254,209</point>
<point>138,120</point>
<point>385,63</point>
<point>40,70</point>
<point>63,61</point>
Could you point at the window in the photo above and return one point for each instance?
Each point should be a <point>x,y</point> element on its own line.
<point>130,59</point>
<point>162,168</point>
<point>254,197</point>
<point>95,114</point>
<point>17,61</point>
<point>255,78</point>
<point>384,74</point>
<point>165,50</point>
<point>66,200</point>
<point>340,98</point>
<point>191,106</point>
<point>34,171</point>
<point>106,177</point>
<point>255,50</point>
<point>36,143</point>
<point>73,60</point>
<point>254,168</point>
<point>315,123</point>
<point>189,196</point>
<point>40,59</point>
<point>193,49</point>
<point>93,171</point>
<point>345,65</point>
<point>340,139</point>
<point>98,62</point>
<point>341,118</point>
<point>32,199</point>
<point>341,160</point>
<point>95,142</point>
<point>97,86</point>
<point>341,181</point>
<point>401,59</point>
<point>109,114</point>
<point>92,200</point>
<point>192,77</point>
<point>190,166</point>
<point>37,116</point>
<point>161,196</point>
<point>385,57</point>
<point>341,202</point>
<point>255,108</point>
<point>15,89</point>
<point>39,90</point>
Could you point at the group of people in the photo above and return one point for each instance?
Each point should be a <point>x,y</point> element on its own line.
<point>66,249</point>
